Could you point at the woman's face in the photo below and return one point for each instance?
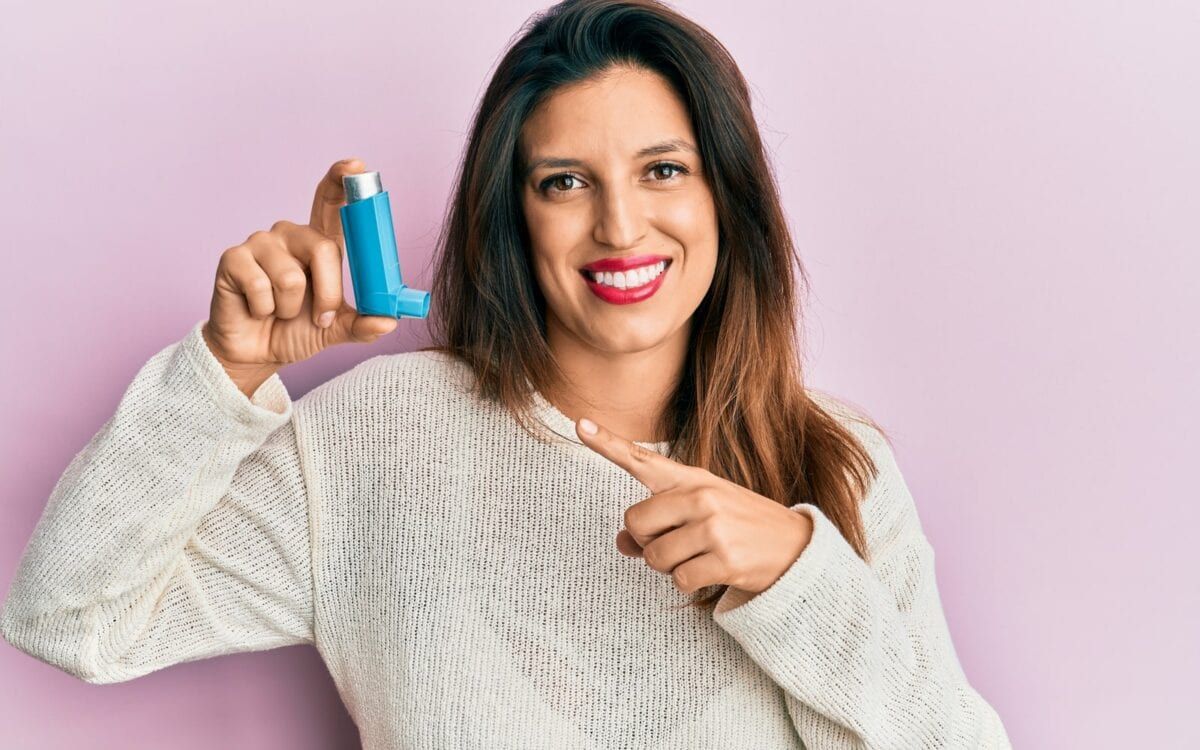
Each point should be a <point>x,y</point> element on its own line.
<point>604,215</point>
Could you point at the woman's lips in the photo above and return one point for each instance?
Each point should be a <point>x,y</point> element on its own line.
<point>624,264</point>
<point>629,295</point>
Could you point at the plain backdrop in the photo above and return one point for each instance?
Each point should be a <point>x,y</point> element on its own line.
<point>998,204</point>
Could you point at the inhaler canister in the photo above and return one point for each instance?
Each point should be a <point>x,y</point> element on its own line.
<point>371,251</point>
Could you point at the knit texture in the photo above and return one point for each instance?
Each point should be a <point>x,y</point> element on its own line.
<point>460,578</point>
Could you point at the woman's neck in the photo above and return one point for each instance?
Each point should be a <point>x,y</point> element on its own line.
<point>624,391</point>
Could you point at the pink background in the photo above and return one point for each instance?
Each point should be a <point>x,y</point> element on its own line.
<point>998,204</point>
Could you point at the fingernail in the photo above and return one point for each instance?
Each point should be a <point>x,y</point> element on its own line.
<point>587,426</point>
<point>326,319</point>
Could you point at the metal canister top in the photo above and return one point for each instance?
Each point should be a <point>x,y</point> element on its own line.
<point>360,186</point>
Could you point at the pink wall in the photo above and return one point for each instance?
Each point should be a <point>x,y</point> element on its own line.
<point>997,202</point>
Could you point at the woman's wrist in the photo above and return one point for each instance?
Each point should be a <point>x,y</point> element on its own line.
<point>246,377</point>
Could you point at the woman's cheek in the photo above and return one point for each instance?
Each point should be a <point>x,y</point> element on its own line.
<point>694,227</point>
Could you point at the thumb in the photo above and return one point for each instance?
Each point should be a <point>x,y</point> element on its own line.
<point>627,545</point>
<point>350,327</point>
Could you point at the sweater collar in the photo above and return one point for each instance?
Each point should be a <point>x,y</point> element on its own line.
<point>564,426</point>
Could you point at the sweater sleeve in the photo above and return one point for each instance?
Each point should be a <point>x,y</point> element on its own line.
<point>862,651</point>
<point>179,532</point>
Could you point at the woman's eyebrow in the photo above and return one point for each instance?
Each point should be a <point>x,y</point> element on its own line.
<point>665,147</point>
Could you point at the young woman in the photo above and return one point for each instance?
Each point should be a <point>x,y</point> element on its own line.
<point>493,542</point>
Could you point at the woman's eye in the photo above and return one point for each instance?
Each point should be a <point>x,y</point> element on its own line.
<point>551,181</point>
<point>553,184</point>
<point>677,168</point>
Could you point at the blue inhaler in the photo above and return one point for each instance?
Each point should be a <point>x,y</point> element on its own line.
<point>371,251</point>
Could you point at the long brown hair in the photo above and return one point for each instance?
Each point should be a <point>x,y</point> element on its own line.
<point>741,410</point>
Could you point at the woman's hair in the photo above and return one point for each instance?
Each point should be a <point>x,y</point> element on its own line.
<point>740,410</point>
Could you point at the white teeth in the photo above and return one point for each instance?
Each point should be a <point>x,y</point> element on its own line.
<point>634,277</point>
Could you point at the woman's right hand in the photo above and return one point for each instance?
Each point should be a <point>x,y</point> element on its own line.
<point>277,298</point>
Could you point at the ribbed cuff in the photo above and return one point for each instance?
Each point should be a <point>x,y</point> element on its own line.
<point>269,408</point>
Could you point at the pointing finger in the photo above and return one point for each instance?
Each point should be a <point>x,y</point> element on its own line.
<point>657,472</point>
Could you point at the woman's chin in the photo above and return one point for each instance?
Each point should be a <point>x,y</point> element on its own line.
<point>631,339</point>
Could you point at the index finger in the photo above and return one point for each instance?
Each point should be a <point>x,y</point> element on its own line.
<point>329,198</point>
<point>657,472</point>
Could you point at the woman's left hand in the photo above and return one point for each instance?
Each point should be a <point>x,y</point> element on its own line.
<point>700,528</point>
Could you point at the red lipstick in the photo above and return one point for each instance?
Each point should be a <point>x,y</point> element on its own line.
<point>616,295</point>
<point>624,264</point>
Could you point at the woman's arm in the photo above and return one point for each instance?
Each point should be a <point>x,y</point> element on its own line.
<point>862,652</point>
<point>180,531</point>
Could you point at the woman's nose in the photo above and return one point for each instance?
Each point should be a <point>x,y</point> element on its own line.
<point>621,221</point>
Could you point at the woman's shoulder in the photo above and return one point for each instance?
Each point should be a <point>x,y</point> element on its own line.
<point>853,417</point>
<point>423,364</point>
<point>402,381</point>
<point>888,508</point>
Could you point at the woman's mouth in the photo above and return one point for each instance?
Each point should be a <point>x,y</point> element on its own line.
<point>622,281</point>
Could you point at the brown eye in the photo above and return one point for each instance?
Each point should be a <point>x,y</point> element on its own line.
<point>554,180</point>
<point>677,168</point>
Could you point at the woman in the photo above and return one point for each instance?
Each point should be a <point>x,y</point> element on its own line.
<point>614,355</point>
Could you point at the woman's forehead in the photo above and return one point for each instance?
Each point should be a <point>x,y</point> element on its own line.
<point>627,114</point>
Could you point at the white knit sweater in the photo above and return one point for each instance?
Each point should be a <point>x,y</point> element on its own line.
<point>460,578</point>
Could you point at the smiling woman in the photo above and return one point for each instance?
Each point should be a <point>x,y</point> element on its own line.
<point>492,541</point>
<point>616,250</point>
<point>630,222</point>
